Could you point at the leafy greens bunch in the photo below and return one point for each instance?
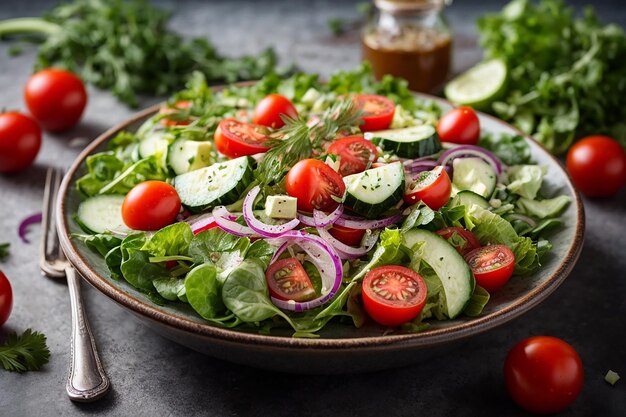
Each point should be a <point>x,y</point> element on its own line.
<point>566,72</point>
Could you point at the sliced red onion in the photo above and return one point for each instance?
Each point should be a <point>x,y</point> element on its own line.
<point>359,223</point>
<point>201,222</point>
<point>471,150</point>
<point>226,221</point>
<point>347,251</point>
<point>325,259</point>
<point>265,230</point>
<point>321,219</point>
<point>420,166</point>
<point>22,230</point>
<point>306,220</point>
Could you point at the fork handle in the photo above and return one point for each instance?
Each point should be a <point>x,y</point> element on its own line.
<point>87,380</point>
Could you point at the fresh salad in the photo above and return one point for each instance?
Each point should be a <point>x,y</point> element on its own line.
<point>291,202</point>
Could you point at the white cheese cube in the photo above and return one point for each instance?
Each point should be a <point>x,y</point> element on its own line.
<point>281,207</point>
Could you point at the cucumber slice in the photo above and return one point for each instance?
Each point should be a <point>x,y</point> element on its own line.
<point>188,155</point>
<point>475,175</point>
<point>480,85</point>
<point>469,198</point>
<point>410,142</point>
<point>156,144</point>
<point>371,192</point>
<point>102,213</point>
<point>455,275</point>
<point>214,185</point>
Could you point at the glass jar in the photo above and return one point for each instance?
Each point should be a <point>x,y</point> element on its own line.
<point>410,39</point>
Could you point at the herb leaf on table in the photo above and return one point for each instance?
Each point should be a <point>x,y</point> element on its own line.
<point>4,250</point>
<point>25,352</point>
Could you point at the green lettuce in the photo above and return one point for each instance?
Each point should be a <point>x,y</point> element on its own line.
<point>525,180</point>
<point>544,208</point>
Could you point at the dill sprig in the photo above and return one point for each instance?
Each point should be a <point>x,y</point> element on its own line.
<point>299,139</point>
<point>25,352</point>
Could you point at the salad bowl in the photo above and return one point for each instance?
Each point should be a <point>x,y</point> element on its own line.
<point>339,348</point>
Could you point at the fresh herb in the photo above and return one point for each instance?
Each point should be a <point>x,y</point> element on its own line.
<point>338,26</point>
<point>510,149</point>
<point>4,250</point>
<point>566,73</point>
<point>25,352</point>
<point>125,46</point>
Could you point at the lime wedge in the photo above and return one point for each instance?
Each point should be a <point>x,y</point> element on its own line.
<point>479,86</point>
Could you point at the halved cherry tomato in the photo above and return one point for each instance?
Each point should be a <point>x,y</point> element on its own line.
<point>351,237</point>
<point>20,140</point>
<point>150,205</point>
<point>491,265</point>
<point>393,295</point>
<point>267,112</point>
<point>377,111</point>
<point>357,154</point>
<point>180,105</point>
<point>431,187</point>
<point>234,138</point>
<point>287,280</point>
<point>6,298</point>
<point>460,125</point>
<point>463,240</point>
<point>315,185</point>
<point>543,374</point>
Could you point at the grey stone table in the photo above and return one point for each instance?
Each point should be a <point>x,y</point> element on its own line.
<point>152,376</point>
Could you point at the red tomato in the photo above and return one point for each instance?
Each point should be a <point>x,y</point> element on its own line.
<point>267,112</point>
<point>431,187</point>
<point>56,98</point>
<point>234,138</point>
<point>357,154</point>
<point>315,185</point>
<point>463,240</point>
<point>543,374</point>
<point>377,112</point>
<point>393,295</point>
<point>150,205</point>
<point>287,280</point>
<point>180,105</point>
<point>20,140</point>
<point>491,265</point>
<point>6,298</point>
<point>459,125</point>
<point>351,237</point>
<point>597,165</point>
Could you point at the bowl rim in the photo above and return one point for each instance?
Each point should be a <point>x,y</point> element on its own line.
<point>432,337</point>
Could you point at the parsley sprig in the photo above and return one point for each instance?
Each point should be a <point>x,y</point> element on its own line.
<point>25,352</point>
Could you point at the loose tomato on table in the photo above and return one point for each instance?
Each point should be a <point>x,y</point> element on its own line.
<point>179,105</point>
<point>56,98</point>
<point>150,205</point>
<point>267,112</point>
<point>463,240</point>
<point>351,237</point>
<point>377,112</point>
<point>6,298</point>
<point>543,374</point>
<point>597,165</point>
<point>356,154</point>
<point>460,125</point>
<point>20,140</point>
<point>315,185</point>
<point>393,295</point>
<point>234,138</point>
<point>287,280</point>
<point>431,187</point>
<point>491,265</point>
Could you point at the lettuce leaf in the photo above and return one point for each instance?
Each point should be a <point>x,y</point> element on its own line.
<point>525,180</point>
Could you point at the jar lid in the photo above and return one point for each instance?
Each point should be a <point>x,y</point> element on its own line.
<point>408,6</point>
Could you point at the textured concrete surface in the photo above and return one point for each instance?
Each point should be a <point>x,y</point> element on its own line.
<point>153,376</point>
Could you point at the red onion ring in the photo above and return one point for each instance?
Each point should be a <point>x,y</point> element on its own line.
<point>471,150</point>
<point>321,219</point>
<point>265,230</point>
<point>22,229</point>
<point>346,251</point>
<point>360,223</point>
<point>226,221</point>
<point>201,222</point>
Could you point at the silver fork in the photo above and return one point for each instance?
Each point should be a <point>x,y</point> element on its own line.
<point>86,380</point>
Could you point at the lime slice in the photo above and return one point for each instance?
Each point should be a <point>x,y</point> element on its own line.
<point>479,86</point>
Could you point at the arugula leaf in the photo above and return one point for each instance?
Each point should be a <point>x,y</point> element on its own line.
<point>25,352</point>
<point>4,250</point>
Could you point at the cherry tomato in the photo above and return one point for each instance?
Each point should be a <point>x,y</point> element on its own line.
<point>56,98</point>
<point>20,140</point>
<point>234,138</point>
<point>543,374</point>
<point>463,240</point>
<point>6,298</point>
<point>491,265</point>
<point>287,280</point>
<point>377,112</point>
<point>393,295</point>
<point>597,165</point>
<point>351,237</point>
<point>179,105</point>
<point>357,154</point>
<point>315,185</point>
<point>431,187</point>
<point>459,125</point>
<point>267,112</point>
<point>150,205</point>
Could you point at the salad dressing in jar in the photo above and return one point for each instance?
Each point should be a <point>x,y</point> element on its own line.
<point>410,40</point>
